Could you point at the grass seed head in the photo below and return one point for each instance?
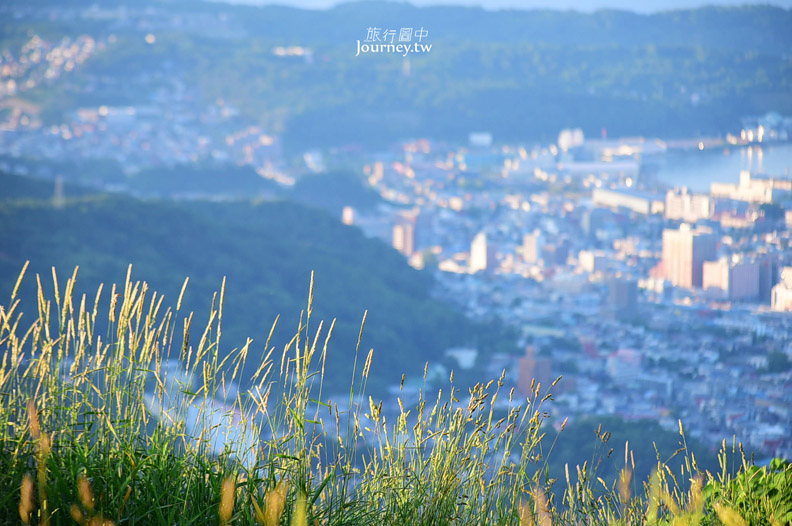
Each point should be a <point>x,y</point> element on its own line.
<point>227,499</point>
<point>276,502</point>
<point>85,493</point>
<point>35,427</point>
<point>26,499</point>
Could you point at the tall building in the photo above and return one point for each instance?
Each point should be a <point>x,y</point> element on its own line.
<point>768,276</point>
<point>734,280</point>
<point>782,293</point>
<point>348,215</point>
<point>404,237</point>
<point>379,171</point>
<point>684,253</point>
<point>680,204</point>
<point>532,247</point>
<point>569,139</point>
<point>482,254</point>
<point>593,261</point>
<point>404,232</point>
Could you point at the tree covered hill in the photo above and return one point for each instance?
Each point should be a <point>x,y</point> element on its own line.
<point>267,250</point>
<point>523,75</point>
<point>733,28</point>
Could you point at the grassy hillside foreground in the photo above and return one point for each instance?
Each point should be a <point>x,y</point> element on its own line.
<point>99,429</point>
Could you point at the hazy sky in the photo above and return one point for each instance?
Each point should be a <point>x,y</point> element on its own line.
<point>643,6</point>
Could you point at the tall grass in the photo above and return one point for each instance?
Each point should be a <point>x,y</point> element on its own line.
<point>104,428</point>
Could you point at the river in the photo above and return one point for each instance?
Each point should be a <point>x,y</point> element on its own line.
<point>697,169</point>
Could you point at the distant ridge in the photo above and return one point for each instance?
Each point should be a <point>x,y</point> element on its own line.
<point>648,6</point>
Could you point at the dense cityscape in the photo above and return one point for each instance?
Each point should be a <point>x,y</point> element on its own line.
<point>598,268</point>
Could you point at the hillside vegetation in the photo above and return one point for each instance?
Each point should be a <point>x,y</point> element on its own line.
<point>522,75</point>
<point>265,250</point>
